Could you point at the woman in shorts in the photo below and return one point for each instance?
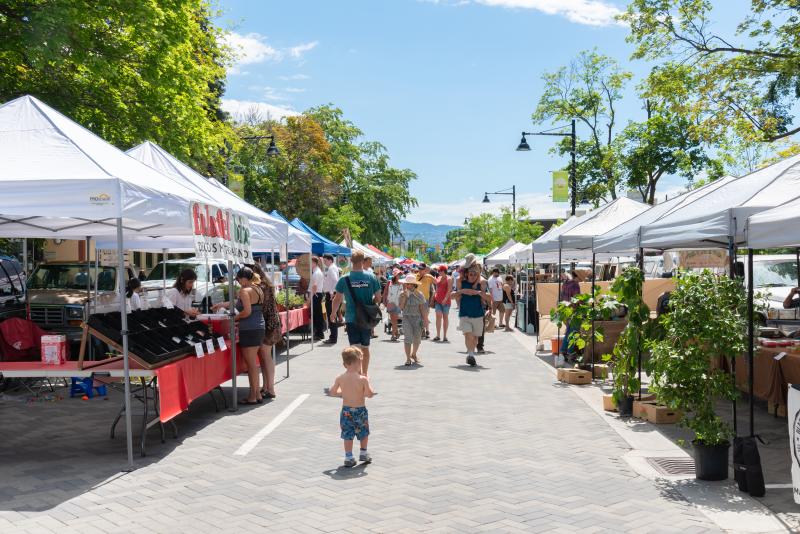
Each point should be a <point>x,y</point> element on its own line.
<point>509,299</point>
<point>442,299</point>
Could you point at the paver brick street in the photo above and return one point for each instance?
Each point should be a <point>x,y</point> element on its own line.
<point>497,448</point>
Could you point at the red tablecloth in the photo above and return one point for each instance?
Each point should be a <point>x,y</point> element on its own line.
<point>295,318</point>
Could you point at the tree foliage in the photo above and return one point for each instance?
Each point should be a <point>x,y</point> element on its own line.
<point>129,70</point>
<point>588,90</point>
<point>487,231</point>
<point>337,219</point>
<point>747,81</point>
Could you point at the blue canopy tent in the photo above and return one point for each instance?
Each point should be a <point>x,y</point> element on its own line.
<point>319,243</point>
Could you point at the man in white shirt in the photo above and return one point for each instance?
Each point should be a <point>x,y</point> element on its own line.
<point>368,265</point>
<point>329,288</point>
<point>317,281</point>
<point>496,289</point>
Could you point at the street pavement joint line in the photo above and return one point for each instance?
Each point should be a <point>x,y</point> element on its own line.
<point>251,443</point>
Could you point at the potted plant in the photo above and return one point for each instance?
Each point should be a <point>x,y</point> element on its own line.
<point>706,321</point>
<point>580,313</point>
<point>627,290</point>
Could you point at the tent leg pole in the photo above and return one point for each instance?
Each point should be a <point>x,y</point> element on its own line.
<point>286,294</point>
<point>638,344</point>
<point>125,357</point>
<point>594,261</point>
<point>232,315</point>
<point>558,300</point>
<point>27,275</point>
<point>750,329</point>
<point>535,296</point>
<point>732,269</point>
<point>797,264</point>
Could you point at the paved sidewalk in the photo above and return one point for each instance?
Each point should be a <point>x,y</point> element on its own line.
<point>498,448</point>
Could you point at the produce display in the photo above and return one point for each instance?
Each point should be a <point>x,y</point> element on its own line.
<point>155,336</point>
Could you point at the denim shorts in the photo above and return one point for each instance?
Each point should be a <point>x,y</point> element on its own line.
<point>354,422</point>
<point>357,336</point>
<point>442,308</point>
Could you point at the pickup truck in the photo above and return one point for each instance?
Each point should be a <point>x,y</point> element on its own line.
<point>12,288</point>
<point>58,295</point>
<point>775,276</point>
<point>209,288</point>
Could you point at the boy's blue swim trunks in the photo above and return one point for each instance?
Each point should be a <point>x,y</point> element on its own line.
<point>354,422</point>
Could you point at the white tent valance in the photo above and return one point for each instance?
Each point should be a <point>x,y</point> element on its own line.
<point>778,227</point>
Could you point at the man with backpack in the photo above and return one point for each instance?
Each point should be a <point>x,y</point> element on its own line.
<point>361,292</point>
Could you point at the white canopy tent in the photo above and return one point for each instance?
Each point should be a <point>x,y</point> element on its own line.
<point>507,256</point>
<point>60,180</point>
<point>718,219</point>
<point>498,251</point>
<point>778,227</point>
<point>377,259</point>
<point>625,237</point>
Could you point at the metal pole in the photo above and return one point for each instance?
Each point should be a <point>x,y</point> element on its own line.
<point>638,344</point>
<point>797,264</point>
<point>27,276</point>
<point>732,269</point>
<point>164,271</point>
<point>594,259</point>
<point>286,294</point>
<point>574,171</point>
<point>86,309</point>
<point>750,328</point>
<point>232,315</point>
<point>310,287</point>
<point>558,296</point>
<point>535,296</point>
<point>514,201</point>
<point>123,314</point>
<point>272,260</point>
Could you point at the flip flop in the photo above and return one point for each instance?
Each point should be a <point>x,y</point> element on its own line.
<point>246,402</point>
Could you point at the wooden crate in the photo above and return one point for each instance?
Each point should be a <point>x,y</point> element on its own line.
<point>638,410</point>
<point>601,370</point>
<point>608,403</point>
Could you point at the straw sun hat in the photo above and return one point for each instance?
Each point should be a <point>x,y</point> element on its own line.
<point>410,279</point>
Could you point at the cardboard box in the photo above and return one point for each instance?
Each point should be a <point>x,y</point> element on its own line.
<point>601,370</point>
<point>660,414</point>
<point>575,376</point>
<point>778,410</point>
<point>54,349</point>
<point>638,410</point>
<point>608,403</point>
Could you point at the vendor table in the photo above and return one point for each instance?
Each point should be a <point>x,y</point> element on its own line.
<point>771,377</point>
<point>293,319</point>
<point>170,388</point>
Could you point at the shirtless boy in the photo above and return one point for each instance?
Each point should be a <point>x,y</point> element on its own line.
<point>353,388</point>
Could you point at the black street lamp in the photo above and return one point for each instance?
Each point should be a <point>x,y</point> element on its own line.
<point>573,178</point>
<point>513,194</point>
<point>272,149</point>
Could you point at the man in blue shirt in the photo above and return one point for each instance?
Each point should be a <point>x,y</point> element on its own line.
<point>365,289</point>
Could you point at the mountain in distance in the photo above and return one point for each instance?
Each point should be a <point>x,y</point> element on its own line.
<point>433,234</point>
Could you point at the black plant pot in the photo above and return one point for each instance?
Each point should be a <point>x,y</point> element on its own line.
<point>710,461</point>
<point>625,407</point>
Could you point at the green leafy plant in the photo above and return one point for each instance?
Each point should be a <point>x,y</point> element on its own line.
<point>627,290</point>
<point>706,321</point>
<point>580,313</point>
<point>295,300</point>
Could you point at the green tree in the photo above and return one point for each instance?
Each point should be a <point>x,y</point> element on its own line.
<point>588,90</point>
<point>367,181</point>
<point>129,70</point>
<point>747,81</point>
<point>334,220</point>
<point>487,231</point>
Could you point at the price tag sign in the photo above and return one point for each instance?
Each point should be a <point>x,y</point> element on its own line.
<point>779,357</point>
<point>210,345</point>
<point>198,350</point>
<point>221,343</point>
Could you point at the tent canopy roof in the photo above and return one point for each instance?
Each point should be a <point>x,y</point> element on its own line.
<point>778,227</point>
<point>319,243</point>
<point>710,221</point>
<point>61,180</point>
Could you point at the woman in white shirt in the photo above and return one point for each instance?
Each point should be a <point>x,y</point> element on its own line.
<point>181,293</point>
<point>391,299</point>
<point>134,288</point>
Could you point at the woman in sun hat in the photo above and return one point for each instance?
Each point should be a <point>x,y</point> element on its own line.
<point>414,306</point>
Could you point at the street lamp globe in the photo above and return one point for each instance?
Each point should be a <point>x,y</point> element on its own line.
<point>272,150</point>
<point>523,145</point>
<point>486,198</point>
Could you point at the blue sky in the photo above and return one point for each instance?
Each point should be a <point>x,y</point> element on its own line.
<point>446,85</point>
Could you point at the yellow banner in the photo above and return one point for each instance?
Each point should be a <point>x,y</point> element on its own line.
<point>560,186</point>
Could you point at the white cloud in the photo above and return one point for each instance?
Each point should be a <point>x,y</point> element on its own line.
<point>270,93</point>
<point>240,110</point>
<point>294,90</point>
<point>588,12</point>
<point>538,204</point>
<point>253,48</point>
<point>299,50</point>
<point>294,77</point>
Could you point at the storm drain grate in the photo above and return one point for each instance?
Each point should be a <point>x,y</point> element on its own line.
<point>672,466</point>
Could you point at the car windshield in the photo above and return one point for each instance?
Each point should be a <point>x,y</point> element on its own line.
<point>174,269</point>
<point>775,274</point>
<point>72,277</point>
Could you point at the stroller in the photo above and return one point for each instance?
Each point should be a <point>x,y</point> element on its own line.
<point>387,324</point>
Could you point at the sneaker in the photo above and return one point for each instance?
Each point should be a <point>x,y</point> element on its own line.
<point>471,361</point>
<point>481,351</point>
<point>365,457</point>
<point>350,462</point>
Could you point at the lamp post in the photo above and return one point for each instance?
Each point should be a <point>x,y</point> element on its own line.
<point>513,194</point>
<point>573,178</point>
<point>272,149</point>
